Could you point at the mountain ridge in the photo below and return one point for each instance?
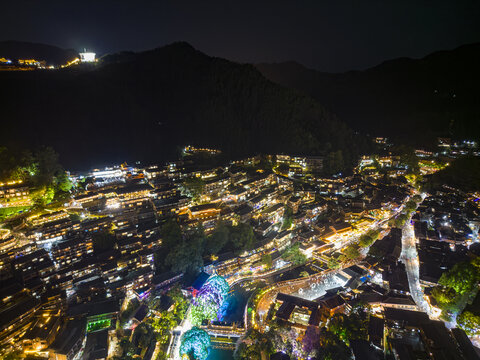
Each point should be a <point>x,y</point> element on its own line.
<point>145,105</point>
<point>53,55</point>
<point>436,94</point>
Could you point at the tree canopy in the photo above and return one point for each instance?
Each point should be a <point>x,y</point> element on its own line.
<point>103,241</point>
<point>287,217</point>
<point>463,173</point>
<point>351,252</point>
<point>226,238</point>
<point>369,238</point>
<point>457,287</point>
<point>41,170</point>
<point>294,255</point>
<point>184,252</point>
<point>193,187</point>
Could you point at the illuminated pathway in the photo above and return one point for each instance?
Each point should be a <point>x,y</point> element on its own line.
<point>309,287</point>
<point>226,331</point>
<point>174,347</point>
<point>294,286</point>
<point>205,305</point>
<point>409,257</point>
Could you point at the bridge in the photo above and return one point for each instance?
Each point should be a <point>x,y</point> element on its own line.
<point>222,343</point>
<point>223,331</point>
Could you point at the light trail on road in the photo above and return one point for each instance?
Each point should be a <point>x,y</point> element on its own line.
<point>409,257</point>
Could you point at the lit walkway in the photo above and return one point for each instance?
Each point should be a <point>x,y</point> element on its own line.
<point>409,257</point>
<point>224,331</point>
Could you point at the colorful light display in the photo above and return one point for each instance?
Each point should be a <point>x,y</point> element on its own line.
<point>194,344</point>
<point>209,300</point>
<point>98,325</point>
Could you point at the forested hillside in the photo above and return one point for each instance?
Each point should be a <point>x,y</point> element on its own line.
<point>411,100</point>
<point>143,106</point>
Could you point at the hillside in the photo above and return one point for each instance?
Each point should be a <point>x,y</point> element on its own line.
<point>143,106</point>
<point>463,173</point>
<point>413,100</point>
<point>53,55</point>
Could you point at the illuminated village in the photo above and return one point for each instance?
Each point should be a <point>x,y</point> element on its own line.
<point>258,257</point>
<point>7,64</point>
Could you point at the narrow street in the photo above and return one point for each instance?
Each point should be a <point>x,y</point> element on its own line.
<point>409,257</point>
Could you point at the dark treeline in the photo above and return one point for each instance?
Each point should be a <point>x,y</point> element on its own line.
<point>143,106</point>
<point>410,100</point>
<point>185,251</point>
<point>53,55</point>
<point>463,174</point>
<point>40,170</point>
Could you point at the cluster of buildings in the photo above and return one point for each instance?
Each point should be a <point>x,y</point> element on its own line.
<point>61,296</point>
<point>14,194</point>
<point>446,229</point>
<point>68,274</point>
<point>301,165</point>
<point>7,64</point>
<point>395,326</point>
<point>446,226</point>
<point>192,150</point>
<point>55,273</point>
<point>22,64</point>
<point>454,149</point>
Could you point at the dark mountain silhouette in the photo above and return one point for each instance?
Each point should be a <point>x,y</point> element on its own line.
<point>412,100</point>
<point>144,105</point>
<point>53,55</point>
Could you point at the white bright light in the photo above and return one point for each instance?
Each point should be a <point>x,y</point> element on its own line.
<point>87,57</point>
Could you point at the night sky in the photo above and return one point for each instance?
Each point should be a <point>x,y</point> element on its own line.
<point>333,35</point>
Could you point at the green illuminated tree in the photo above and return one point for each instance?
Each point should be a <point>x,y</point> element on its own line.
<point>410,206</point>
<point>331,347</point>
<point>351,252</point>
<point>369,238</point>
<point>195,343</point>
<point>63,183</point>
<point>333,263</point>
<point>457,286</point>
<point>193,187</point>
<point>162,325</point>
<point>267,260</point>
<point>348,328</point>
<point>462,278</point>
<point>287,218</point>
<point>469,322</point>
<point>365,240</point>
<point>179,301</point>
<point>294,255</point>
<point>400,220</point>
